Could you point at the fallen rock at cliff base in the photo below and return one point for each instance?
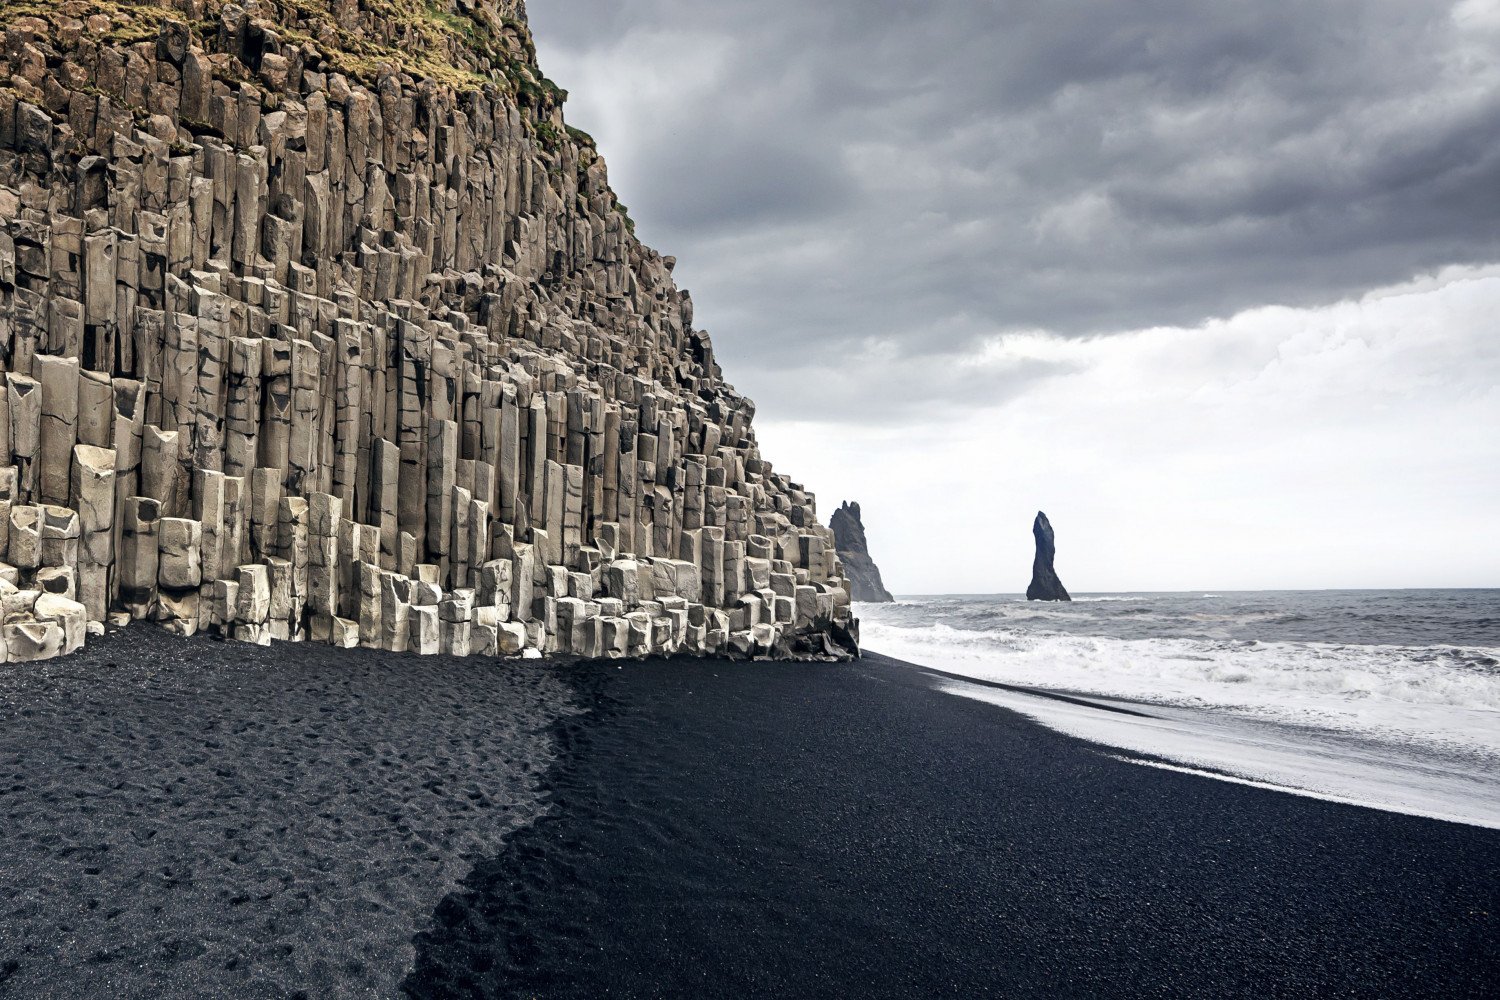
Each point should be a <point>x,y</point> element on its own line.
<point>1045,586</point>
<point>860,570</point>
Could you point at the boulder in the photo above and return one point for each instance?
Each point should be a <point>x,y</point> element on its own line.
<point>28,641</point>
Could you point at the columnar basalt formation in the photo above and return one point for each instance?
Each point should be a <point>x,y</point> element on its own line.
<point>317,322</point>
<point>849,539</point>
<point>1045,585</point>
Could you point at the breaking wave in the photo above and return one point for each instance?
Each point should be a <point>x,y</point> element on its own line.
<point>1438,695</point>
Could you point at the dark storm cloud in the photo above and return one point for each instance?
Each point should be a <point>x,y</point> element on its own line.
<point>846,173</point>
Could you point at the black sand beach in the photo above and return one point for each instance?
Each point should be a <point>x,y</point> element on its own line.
<point>190,818</point>
<point>846,831</point>
<point>203,819</point>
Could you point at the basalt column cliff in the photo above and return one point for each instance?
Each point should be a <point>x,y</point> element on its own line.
<point>317,322</point>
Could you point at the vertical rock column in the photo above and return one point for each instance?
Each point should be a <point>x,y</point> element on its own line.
<point>139,557</point>
<point>59,426</point>
<point>93,489</point>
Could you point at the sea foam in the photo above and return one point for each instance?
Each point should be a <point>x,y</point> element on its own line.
<point>1447,696</point>
<point>1259,689</point>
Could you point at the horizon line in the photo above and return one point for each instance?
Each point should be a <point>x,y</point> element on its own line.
<point>1189,590</point>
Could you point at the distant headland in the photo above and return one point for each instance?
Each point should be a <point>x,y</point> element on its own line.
<point>859,568</point>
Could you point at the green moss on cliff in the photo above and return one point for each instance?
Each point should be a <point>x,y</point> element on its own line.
<point>465,49</point>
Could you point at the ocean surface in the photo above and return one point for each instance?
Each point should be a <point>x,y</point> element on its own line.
<point>1382,698</point>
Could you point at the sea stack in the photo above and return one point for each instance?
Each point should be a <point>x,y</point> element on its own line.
<point>318,322</point>
<point>860,570</point>
<point>1045,586</point>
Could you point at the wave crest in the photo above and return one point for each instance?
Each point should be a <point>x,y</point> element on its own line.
<point>1448,695</point>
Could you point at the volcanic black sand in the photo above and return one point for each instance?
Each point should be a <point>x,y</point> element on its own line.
<point>189,818</point>
<point>727,830</point>
<point>219,820</point>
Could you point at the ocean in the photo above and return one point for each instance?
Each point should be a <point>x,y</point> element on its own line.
<point>1387,698</point>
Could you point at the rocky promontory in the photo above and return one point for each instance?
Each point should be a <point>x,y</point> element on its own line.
<point>849,538</point>
<point>317,321</point>
<point>1045,586</point>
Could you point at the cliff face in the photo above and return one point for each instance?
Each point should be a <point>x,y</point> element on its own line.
<point>1045,585</point>
<point>849,539</point>
<point>317,321</point>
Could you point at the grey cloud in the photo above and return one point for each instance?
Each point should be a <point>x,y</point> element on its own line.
<point>895,390</point>
<point>930,173</point>
<point>743,181</point>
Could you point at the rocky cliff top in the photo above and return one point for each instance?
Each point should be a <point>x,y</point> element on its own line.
<point>465,43</point>
<point>171,69</point>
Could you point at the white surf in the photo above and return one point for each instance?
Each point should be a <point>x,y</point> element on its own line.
<point>1412,729</point>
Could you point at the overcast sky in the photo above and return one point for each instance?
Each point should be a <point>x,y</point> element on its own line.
<point>1211,284</point>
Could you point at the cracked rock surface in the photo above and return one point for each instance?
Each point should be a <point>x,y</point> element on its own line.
<point>326,303</point>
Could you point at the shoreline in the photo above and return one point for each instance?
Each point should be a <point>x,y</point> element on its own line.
<point>786,831</point>
<point>1422,780</point>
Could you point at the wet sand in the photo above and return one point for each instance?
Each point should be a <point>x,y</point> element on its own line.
<point>849,831</point>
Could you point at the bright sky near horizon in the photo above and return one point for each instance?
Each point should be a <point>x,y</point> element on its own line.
<point>1218,288</point>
